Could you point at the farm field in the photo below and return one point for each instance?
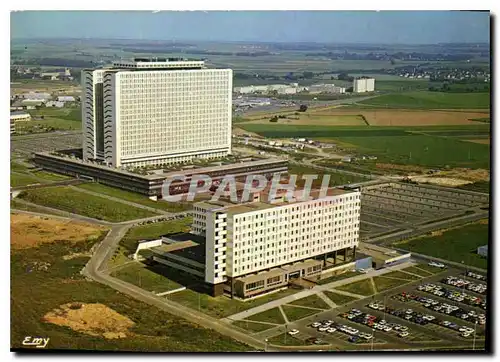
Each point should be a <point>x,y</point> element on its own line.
<point>347,116</point>
<point>22,179</point>
<point>61,283</point>
<point>431,100</point>
<point>422,146</point>
<point>67,199</point>
<point>458,244</point>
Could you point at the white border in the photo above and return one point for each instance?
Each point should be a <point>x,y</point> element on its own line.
<point>204,5</point>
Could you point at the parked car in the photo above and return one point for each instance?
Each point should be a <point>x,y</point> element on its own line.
<point>293,332</point>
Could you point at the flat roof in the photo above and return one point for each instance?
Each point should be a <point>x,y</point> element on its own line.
<point>185,245</point>
<point>378,252</point>
<point>154,177</point>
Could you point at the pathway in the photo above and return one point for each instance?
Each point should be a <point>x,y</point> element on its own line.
<point>315,290</point>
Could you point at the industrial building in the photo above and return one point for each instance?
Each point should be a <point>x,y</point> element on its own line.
<point>151,184</point>
<point>363,84</point>
<point>19,116</point>
<point>325,88</point>
<point>291,88</point>
<point>252,248</point>
<point>156,111</point>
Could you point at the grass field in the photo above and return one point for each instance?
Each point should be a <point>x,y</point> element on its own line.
<point>418,270</point>
<point>286,340</point>
<point>154,330</point>
<point>312,301</point>
<point>382,283</point>
<point>142,276</point>
<point>401,275</point>
<point>395,144</point>
<point>270,316</point>
<point>295,313</point>
<point>21,179</point>
<point>253,326</point>
<point>137,198</point>
<point>363,287</point>
<point>336,178</point>
<point>337,298</point>
<point>67,199</point>
<point>317,119</point>
<point>459,244</point>
<point>220,307</point>
<point>338,277</point>
<point>51,176</point>
<point>431,100</point>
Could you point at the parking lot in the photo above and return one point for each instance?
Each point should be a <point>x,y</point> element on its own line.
<point>404,317</point>
<point>394,206</point>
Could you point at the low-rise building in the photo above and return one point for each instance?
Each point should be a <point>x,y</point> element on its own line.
<point>19,116</point>
<point>65,99</point>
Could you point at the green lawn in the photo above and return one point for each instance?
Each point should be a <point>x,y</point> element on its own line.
<point>418,270</point>
<point>67,199</point>
<point>271,316</point>
<point>155,330</point>
<point>18,179</point>
<point>383,283</point>
<point>312,301</point>
<point>363,287</point>
<point>336,178</point>
<point>14,204</point>
<point>222,306</point>
<point>295,313</point>
<point>51,176</point>
<point>337,298</point>
<point>400,275</point>
<point>253,326</point>
<point>146,278</point>
<point>431,100</point>
<point>431,270</point>
<point>286,340</point>
<point>459,244</point>
<point>49,124</point>
<point>338,277</point>
<point>135,197</point>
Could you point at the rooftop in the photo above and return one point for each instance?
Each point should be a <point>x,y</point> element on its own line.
<point>186,245</point>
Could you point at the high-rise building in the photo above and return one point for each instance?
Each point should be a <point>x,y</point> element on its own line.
<point>149,112</point>
<point>363,84</point>
<point>251,248</point>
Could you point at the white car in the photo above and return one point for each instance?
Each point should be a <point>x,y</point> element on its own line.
<point>315,324</point>
<point>331,330</point>
<point>403,334</point>
<point>293,332</point>
<point>323,329</point>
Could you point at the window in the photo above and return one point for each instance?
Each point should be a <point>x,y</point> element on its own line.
<point>255,285</point>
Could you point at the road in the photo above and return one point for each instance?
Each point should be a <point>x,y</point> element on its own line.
<point>105,250</point>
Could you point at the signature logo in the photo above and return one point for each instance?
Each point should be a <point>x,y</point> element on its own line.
<point>36,342</point>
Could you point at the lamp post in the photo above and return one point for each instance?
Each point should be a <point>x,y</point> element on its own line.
<point>265,348</point>
<point>373,336</point>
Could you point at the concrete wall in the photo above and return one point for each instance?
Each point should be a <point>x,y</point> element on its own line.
<point>146,245</point>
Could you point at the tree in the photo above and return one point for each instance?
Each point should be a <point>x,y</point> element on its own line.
<point>303,108</point>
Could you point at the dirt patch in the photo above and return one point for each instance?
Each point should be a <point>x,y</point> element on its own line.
<point>317,120</point>
<point>28,231</point>
<point>441,181</point>
<point>467,174</point>
<point>93,319</point>
<point>483,141</point>
<point>240,132</point>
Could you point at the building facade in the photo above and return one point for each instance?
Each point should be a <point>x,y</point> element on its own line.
<point>156,112</point>
<point>255,247</point>
<point>362,85</point>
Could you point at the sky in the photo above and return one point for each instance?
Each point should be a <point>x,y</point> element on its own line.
<point>383,27</point>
